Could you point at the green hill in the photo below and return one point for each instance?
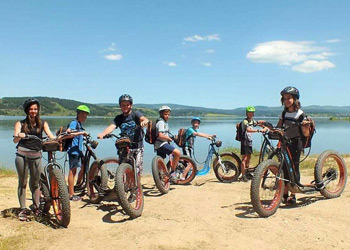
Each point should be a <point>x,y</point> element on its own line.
<point>12,106</point>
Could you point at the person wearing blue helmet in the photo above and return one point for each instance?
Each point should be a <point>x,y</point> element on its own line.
<point>191,134</point>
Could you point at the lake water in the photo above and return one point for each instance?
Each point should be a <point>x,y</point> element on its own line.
<point>329,135</point>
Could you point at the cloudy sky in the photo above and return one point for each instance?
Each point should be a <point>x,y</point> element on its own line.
<point>222,54</point>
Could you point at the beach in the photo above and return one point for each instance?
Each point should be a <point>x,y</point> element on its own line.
<point>204,215</point>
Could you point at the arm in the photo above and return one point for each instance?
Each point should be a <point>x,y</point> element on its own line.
<point>164,137</point>
<point>280,123</point>
<point>203,135</point>
<point>107,131</point>
<point>48,131</point>
<point>143,121</point>
<point>17,135</point>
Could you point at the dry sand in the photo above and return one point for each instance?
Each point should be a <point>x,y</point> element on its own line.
<point>205,215</point>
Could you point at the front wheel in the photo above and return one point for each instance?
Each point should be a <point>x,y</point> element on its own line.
<point>160,174</point>
<point>60,197</point>
<point>267,188</point>
<point>187,169</point>
<point>232,157</point>
<point>330,171</point>
<point>129,190</point>
<point>226,171</point>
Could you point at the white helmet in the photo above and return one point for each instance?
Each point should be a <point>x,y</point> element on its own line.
<point>163,108</point>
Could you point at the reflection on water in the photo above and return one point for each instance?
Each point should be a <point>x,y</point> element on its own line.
<point>329,135</point>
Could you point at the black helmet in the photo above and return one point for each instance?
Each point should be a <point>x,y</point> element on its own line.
<point>291,90</point>
<point>125,97</point>
<point>28,102</point>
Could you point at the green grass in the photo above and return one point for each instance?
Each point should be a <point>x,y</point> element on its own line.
<point>4,172</point>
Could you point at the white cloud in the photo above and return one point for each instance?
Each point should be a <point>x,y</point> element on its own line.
<point>313,66</point>
<point>306,54</point>
<point>113,57</point>
<point>207,64</point>
<point>210,51</point>
<point>197,38</point>
<point>112,47</point>
<point>171,64</point>
<point>333,41</point>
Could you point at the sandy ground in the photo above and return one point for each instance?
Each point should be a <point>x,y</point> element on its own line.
<point>205,215</point>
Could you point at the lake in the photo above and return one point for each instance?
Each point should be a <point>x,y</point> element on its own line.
<point>329,135</point>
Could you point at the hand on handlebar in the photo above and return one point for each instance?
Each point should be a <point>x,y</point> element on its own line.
<point>20,135</point>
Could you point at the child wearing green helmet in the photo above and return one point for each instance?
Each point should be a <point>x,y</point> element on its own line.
<point>248,125</point>
<point>75,149</point>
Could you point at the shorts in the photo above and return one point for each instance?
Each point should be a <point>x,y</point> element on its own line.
<point>138,155</point>
<point>165,150</point>
<point>74,161</point>
<point>187,151</point>
<point>246,148</point>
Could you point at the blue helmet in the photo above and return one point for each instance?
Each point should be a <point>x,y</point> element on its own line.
<point>196,118</point>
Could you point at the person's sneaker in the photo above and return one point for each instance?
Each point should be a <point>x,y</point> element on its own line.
<point>174,176</point>
<point>247,177</point>
<point>23,215</point>
<point>75,198</point>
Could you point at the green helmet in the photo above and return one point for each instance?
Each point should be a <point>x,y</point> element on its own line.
<point>83,108</point>
<point>250,109</point>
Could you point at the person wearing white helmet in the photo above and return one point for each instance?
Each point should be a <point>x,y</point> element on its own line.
<point>162,146</point>
<point>130,123</point>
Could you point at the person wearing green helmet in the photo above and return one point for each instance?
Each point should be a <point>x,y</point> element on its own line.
<point>248,125</point>
<point>75,149</point>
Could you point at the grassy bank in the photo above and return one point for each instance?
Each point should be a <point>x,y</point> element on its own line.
<point>4,172</point>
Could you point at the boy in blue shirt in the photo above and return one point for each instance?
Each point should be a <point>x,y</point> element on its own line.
<point>191,134</point>
<point>75,150</point>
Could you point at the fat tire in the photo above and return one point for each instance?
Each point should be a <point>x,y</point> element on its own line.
<point>125,174</point>
<point>63,197</point>
<point>94,170</point>
<point>46,202</point>
<point>228,165</point>
<point>188,178</point>
<point>255,188</point>
<point>341,172</point>
<point>161,180</point>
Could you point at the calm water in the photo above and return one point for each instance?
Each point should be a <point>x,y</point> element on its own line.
<point>329,135</point>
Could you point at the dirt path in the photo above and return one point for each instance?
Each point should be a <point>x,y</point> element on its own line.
<point>204,215</point>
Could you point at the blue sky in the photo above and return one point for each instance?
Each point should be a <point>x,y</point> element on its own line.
<point>220,54</point>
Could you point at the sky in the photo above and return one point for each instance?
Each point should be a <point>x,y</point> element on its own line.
<point>217,54</point>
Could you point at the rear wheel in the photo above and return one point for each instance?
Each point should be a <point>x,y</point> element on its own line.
<point>97,182</point>
<point>60,197</point>
<point>267,188</point>
<point>129,190</point>
<point>330,169</point>
<point>160,174</point>
<point>187,168</point>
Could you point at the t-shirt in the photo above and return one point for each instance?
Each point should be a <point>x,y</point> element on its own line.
<point>162,127</point>
<point>190,137</point>
<point>248,124</point>
<point>130,125</point>
<point>76,147</point>
<point>292,123</point>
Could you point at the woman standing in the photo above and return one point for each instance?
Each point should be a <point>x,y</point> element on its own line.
<point>28,155</point>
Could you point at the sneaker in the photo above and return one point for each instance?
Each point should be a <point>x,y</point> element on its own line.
<point>289,200</point>
<point>22,215</point>
<point>174,176</point>
<point>75,198</point>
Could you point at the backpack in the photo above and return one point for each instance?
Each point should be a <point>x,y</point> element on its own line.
<point>151,132</point>
<point>307,130</point>
<point>180,139</point>
<point>67,142</point>
<point>239,132</point>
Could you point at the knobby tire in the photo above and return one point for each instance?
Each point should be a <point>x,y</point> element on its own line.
<point>160,174</point>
